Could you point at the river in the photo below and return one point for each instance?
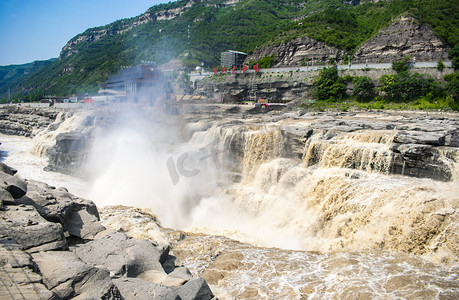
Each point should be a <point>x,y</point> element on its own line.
<point>261,223</point>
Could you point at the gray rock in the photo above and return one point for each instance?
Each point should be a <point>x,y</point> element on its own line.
<point>13,184</point>
<point>17,279</point>
<point>22,121</point>
<point>69,152</point>
<point>54,205</point>
<point>181,272</point>
<point>82,224</point>
<point>79,217</point>
<point>67,276</point>
<point>24,225</point>
<point>7,169</point>
<point>294,52</point>
<point>138,289</point>
<point>121,255</point>
<point>421,161</point>
<point>196,289</point>
<point>452,138</point>
<point>404,37</point>
<point>5,197</point>
<point>420,137</point>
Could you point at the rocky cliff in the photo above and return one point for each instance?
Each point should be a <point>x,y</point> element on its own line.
<point>403,37</point>
<point>299,52</point>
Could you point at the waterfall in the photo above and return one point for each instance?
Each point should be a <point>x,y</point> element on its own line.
<point>365,150</point>
<point>65,122</point>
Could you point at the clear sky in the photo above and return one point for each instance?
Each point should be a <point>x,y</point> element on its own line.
<point>38,29</point>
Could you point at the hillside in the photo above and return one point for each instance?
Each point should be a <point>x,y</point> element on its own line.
<point>196,31</point>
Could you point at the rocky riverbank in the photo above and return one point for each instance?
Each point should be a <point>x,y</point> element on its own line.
<point>53,246</point>
<point>24,121</point>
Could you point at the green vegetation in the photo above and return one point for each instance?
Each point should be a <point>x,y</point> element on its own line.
<point>328,85</point>
<point>215,27</point>
<point>364,88</point>
<point>402,65</point>
<point>264,63</point>
<point>401,90</point>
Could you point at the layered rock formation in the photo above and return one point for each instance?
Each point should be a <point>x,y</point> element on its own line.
<point>23,121</point>
<point>403,37</point>
<point>245,87</point>
<point>52,246</point>
<point>299,52</point>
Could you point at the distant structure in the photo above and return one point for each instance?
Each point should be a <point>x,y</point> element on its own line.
<point>142,83</point>
<point>232,58</point>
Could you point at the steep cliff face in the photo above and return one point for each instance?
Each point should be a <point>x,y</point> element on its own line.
<point>298,52</point>
<point>404,37</point>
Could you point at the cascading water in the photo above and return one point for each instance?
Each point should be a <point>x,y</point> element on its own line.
<point>332,196</point>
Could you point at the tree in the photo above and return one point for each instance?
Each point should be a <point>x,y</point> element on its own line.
<point>452,88</point>
<point>454,55</point>
<point>328,85</point>
<point>364,88</point>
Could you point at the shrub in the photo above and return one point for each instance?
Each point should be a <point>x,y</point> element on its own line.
<point>402,65</point>
<point>440,65</point>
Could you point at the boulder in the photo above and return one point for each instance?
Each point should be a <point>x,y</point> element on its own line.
<point>7,169</point>
<point>196,289</point>
<point>5,197</point>
<point>67,276</point>
<point>121,255</point>
<point>82,224</point>
<point>13,184</point>
<point>25,225</point>
<point>67,154</point>
<point>78,216</point>
<point>138,289</point>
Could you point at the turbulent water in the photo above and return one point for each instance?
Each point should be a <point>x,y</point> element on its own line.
<point>266,221</point>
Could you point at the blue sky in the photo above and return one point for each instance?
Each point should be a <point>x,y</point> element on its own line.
<point>38,29</point>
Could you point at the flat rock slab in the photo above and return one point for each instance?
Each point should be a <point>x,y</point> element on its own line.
<point>66,275</point>
<point>17,279</point>
<point>121,255</point>
<point>25,225</point>
<point>138,289</point>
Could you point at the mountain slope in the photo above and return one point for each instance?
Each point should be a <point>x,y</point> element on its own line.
<point>196,31</point>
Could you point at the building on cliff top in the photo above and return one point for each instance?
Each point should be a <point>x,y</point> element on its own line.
<point>142,83</point>
<point>232,58</point>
